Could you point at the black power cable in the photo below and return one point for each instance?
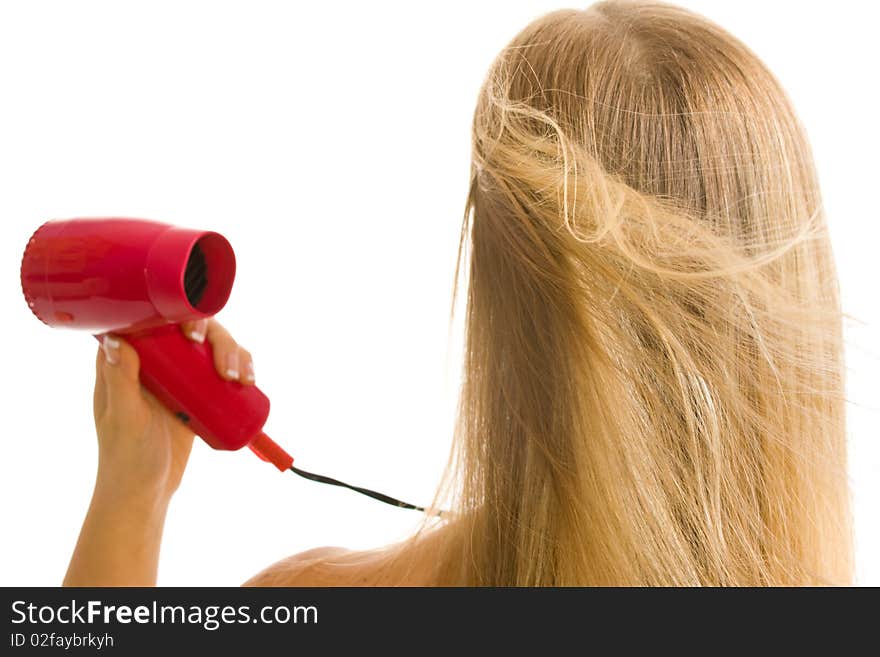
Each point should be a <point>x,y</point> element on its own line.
<point>363,491</point>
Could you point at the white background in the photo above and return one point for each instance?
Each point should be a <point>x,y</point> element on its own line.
<point>330,143</point>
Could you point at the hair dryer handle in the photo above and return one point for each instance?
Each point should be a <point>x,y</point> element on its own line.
<point>181,374</point>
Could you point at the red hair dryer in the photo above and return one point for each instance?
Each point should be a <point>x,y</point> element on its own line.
<point>139,279</point>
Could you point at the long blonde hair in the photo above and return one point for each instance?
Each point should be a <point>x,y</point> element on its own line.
<point>653,378</point>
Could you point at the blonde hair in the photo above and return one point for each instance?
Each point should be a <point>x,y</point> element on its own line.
<point>653,374</point>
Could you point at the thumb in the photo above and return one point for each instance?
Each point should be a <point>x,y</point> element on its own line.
<point>121,367</point>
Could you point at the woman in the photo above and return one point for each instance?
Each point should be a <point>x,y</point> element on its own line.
<point>653,376</point>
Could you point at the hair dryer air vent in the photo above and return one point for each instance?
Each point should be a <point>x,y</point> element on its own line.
<point>195,278</point>
<point>209,272</point>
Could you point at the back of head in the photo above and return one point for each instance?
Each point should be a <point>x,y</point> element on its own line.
<point>653,368</point>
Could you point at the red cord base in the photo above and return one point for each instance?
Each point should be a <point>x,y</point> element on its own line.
<point>271,452</point>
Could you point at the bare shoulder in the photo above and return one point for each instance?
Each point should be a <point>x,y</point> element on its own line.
<point>402,564</point>
<point>317,567</point>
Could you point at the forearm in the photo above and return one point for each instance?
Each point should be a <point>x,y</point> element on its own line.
<point>119,541</point>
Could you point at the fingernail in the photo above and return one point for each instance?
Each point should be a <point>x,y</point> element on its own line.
<point>249,371</point>
<point>111,349</point>
<point>232,365</point>
<point>199,330</point>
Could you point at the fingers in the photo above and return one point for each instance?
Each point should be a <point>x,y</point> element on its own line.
<point>118,372</point>
<point>195,330</point>
<point>233,362</point>
<point>247,366</point>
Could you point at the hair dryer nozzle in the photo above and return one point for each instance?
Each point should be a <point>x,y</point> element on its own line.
<point>124,275</point>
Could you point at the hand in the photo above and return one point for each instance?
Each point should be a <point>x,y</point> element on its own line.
<point>142,447</point>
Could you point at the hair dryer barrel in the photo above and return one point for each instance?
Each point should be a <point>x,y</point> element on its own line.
<point>124,275</point>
